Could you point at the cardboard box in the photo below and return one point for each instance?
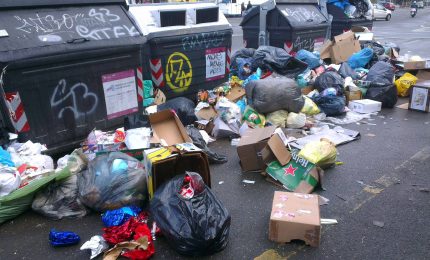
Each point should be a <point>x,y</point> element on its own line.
<point>162,165</point>
<point>251,143</point>
<point>168,129</point>
<point>413,65</point>
<point>275,150</point>
<point>365,106</point>
<point>339,50</point>
<point>298,175</point>
<point>295,216</point>
<point>206,125</point>
<point>353,95</point>
<point>419,99</point>
<point>423,75</point>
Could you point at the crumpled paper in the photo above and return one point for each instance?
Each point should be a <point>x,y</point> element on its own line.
<point>96,244</point>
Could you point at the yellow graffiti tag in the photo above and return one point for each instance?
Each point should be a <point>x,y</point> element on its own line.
<point>179,72</point>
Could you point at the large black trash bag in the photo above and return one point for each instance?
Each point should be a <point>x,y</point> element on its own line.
<point>382,72</point>
<point>382,89</point>
<point>198,140</point>
<point>346,71</point>
<point>183,107</point>
<point>244,53</point>
<point>197,226</point>
<point>277,60</point>
<point>330,105</point>
<point>136,121</point>
<point>384,93</point>
<point>330,79</point>
<point>270,95</point>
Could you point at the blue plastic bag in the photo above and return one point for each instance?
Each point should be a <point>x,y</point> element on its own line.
<point>304,78</point>
<point>255,76</point>
<point>360,59</point>
<point>311,59</point>
<point>117,217</point>
<point>5,158</point>
<point>63,238</point>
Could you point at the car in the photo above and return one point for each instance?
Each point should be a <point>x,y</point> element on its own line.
<point>380,12</point>
<point>420,4</point>
<point>389,5</point>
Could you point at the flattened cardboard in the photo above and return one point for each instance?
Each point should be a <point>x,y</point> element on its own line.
<point>236,93</point>
<point>413,65</point>
<point>168,129</point>
<point>177,163</point>
<point>295,216</point>
<point>207,113</point>
<point>251,143</point>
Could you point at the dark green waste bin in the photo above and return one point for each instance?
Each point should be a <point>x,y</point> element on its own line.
<point>67,67</point>
<point>188,46</point>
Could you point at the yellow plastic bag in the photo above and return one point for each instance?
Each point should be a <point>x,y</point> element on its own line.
<point>404,83</point>
<point>310,108</point>
<point>278,118</point>
<point>322,153</point>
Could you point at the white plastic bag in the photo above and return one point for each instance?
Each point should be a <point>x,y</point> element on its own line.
<point>295,120</point>
<point>138,138</point>
<point>10,180</point>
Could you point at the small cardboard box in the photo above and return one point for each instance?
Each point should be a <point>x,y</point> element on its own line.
<point>168,129</point>
<point>343,46</point>
<point>162,164</point>
<point>419,99</point>
<point>251,143</point>
<point>353,95</point>
<point>275,150</point>
<point>295,216</point>
<point>365,106</point>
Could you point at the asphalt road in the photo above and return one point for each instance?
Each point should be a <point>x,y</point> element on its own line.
<point>391,162</point>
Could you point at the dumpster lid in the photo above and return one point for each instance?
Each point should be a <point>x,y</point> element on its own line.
<point>30,33</point>
<point>149,19</point>
<point>13,4</point>
<point>300,15</point>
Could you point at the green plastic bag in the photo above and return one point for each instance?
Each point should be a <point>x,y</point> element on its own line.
<point>20,200</point>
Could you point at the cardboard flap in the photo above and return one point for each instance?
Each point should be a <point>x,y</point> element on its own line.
<point>236,93</point>
<point>349,35</point>
<point>256,135</point>
<point>279,150</point>
<point>168,129</point>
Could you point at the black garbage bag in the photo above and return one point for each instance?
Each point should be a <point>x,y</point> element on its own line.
<point>195,226</point>
<point>330,79</point>
<point>136,121</point>
<point>198,141</point>
<point>330,105</point>
<point>346,71</point>
<point>244,53</point>
<point>183,107</point>
<point>60,200</point>
<point>361,7</point>
<point>277,60</point>
<point>112,181</point>
<point>270,95</point>
<point>384,93</point>
<point>381,72</point>
<point>377,48</point>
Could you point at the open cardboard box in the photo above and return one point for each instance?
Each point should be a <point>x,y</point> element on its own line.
<point>295,216</point>
<point>250,145</point>
<point>174,162</point>
<point>168,129</point>
<point>339,50</point>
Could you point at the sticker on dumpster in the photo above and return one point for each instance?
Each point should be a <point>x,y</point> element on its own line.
<point>179,72</point>
<point>215,63</point>
<point>120,93</point>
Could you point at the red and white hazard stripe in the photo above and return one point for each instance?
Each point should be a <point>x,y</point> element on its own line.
<point>157,72</point>
<point>139,84</point>
<point>17,113</point>
<point>228,60</point>
<point>288,46</point>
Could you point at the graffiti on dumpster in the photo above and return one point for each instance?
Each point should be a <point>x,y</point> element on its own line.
<point>303,14</point>
<point>203,40</point>
<point>304,43</point>
<point>179,72</point>
<point>95,24</point>
<point>76,99</point>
